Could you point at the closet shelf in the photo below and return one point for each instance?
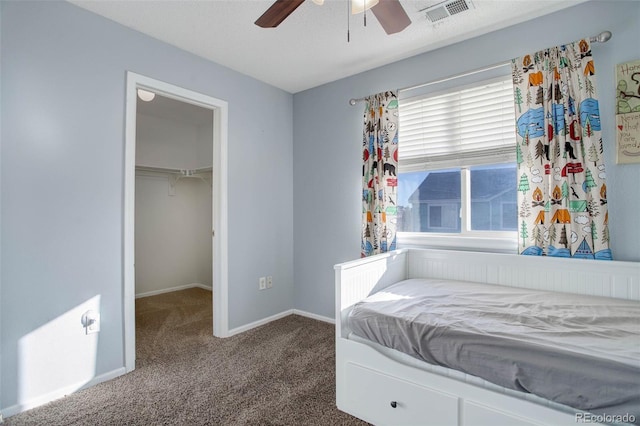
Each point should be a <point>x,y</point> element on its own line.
<point>174,175</point>
<point>183,172</point>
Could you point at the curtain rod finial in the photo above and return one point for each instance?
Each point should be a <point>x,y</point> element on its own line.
<point>603,37</point>
<point>352,102</point>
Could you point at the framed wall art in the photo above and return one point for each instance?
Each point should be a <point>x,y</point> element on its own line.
<point>628,112</point>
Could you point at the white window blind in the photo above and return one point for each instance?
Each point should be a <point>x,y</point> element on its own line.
<point>463,127</point>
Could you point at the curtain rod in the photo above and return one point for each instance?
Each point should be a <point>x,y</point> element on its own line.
<point>603,37</point>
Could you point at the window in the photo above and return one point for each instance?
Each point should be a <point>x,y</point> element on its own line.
<point>457,171</point>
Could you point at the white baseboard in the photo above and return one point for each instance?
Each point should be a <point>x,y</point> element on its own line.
<point>258,323</point>
<point>171,289</point>
<point>60,393</point>
<point>275,317</point>
<point>314,316</point>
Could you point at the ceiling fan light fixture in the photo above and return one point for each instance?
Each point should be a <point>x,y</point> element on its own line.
<point>145,95</point>
<point>359,6</point>
<point>318,2</point>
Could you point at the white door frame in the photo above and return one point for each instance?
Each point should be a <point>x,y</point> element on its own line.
<point>219,204</point>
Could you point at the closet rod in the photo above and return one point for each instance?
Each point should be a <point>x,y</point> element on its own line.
<point>603,37</point>
<point>184,172</point>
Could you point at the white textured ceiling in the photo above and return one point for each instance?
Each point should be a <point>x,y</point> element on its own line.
<point>310,47</point>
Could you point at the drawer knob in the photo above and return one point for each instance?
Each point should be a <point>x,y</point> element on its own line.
<point>394,404</point>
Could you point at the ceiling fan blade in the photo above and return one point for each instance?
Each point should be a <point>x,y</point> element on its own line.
<point>391,16</point>
<point>277,13</point>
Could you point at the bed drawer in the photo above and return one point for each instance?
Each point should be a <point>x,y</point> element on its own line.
<point>374,396</point>
<point>480,415</point>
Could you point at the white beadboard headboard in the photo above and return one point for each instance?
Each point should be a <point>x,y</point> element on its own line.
<point>580,276</point>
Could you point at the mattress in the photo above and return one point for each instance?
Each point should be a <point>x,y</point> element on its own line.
<point>576,350</point>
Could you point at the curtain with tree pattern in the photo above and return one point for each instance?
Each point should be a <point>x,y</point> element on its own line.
<point>379,179</point>
<point>562,195</point>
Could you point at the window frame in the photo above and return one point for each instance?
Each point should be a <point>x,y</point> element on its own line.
<point>466,239</point>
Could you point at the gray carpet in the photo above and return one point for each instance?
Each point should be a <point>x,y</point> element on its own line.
<point>282,373</point>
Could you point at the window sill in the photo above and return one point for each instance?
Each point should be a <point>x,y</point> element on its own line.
<point>504,243</point>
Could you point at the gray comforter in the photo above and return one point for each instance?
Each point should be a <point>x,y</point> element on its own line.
<point>581,351</point>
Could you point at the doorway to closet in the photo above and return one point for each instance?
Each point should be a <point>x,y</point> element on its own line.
<point>173,245</point>
<point>175,201</point>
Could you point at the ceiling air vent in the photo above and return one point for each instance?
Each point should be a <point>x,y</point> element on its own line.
<point>446,9</point>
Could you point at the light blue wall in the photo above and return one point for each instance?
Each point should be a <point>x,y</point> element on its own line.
<point>63,110</point>
<point>327,135</point>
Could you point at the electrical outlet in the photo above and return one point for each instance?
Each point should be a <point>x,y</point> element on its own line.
<point>262,283</point>
<point>91,322</point>
<point>269,281</point>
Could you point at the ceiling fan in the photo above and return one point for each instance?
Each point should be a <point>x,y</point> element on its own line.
<point>389,13</point>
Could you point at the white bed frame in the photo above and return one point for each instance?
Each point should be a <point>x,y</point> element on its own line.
<point>380,390</point>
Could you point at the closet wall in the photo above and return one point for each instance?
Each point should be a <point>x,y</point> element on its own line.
<point>173,212</point>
